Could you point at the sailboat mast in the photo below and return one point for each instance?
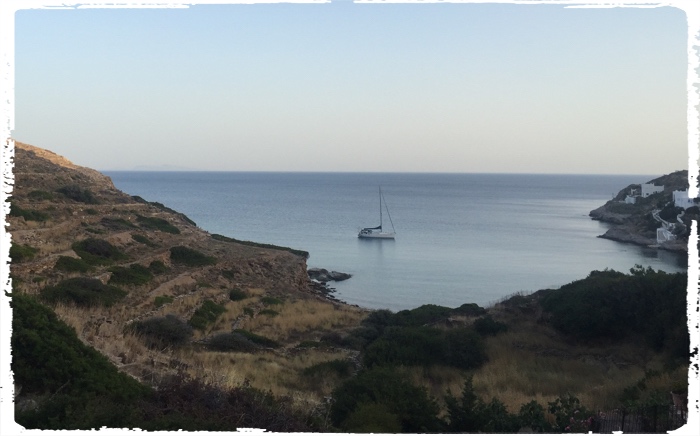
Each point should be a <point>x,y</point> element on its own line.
<point>380,208</point>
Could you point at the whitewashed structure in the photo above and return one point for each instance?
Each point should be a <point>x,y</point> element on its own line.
<point>650,188</point>
<point>680,199</point>
<point>663,234</point>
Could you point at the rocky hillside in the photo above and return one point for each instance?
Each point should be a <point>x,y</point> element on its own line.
<point>634,222</point>
<point>146,287</point>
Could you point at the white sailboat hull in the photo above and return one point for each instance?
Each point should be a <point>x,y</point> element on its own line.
<point>376,235</point>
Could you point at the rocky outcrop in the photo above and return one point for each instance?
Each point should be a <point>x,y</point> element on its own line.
<point>323,275</point>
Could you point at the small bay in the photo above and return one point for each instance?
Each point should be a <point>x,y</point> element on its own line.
<point>460,238</point>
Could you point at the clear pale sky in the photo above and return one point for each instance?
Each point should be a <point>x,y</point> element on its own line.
<point>357,87</point>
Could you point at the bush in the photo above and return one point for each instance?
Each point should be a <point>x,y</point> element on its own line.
<point>135,274</point>
<point>426,314</point>
<point>116,223</point>
<point>97,251</point>
<point>83,292</point>
<point>268,301</point>
<point>189,257</point>
<point>154,223</point>
<point>40,195</point>
<point>470,309</point>
<point>206,314</point>
<point>143,240</point>
<point>302,253</point>
<point>157,267</point>
<point>21,253</point>
<point>487,326</point>
<point>161,332</point>
<point>337,367</point>
<point>162,299</point>
<point>411,406</point>
<point>28,215</point>
<point>76,193</point>
<point>470,414</point>
<point>48,358</point>
<point>257,339</point>
<point>237,294</point>
<point>269,312</point>
<point>231,342</point>
<point>71,264</point>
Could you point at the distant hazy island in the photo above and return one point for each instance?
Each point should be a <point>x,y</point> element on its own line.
<point>126,314</point>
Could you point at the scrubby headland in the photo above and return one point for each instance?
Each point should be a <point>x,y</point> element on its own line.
<point>126,314</point>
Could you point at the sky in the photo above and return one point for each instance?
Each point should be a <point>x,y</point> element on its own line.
<point>467,88</point>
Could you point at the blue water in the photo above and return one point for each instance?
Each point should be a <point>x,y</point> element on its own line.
<point>459,237</point>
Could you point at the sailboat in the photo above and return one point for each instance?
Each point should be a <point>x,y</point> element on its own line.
<point>378,232</point>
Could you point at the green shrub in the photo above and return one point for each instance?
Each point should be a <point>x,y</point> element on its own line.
<point>237,294</point>
<point>470,414</point>
<point>97,251</point>
<point>469,309</point>
<point>91,211</point>
<point>135,274</point>
<point>161,332</point>
<point>415,411</point>
<point>309,344</point>
<point>302,253</point>
<point>162,299</point>
<point>76,193</point>
<point>83,292</point>
<point>206,314</point>
<point>248,311</point>
<point>337,367</point>
<point>20,253</point>
<point>38,279</point>
<point>157,267</point>
<point>143,240</point>
<point>269,301</point>
<point>71,264</point>
<point>27,214</point>
<point>113,223</point>
<point>48,358</point>
<point>269,312</point>
<point>231,342</point>
<point>426,314</point>
<point>257,339</point>
<point>40,195</point>
<point>229,274</point>
<point>487,326</point>
<point>154,223</point>
<point>189,257</point>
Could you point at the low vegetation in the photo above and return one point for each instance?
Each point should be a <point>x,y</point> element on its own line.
<point>82,292</point>
<point>237,294</point>
<point>161,332</point>
<point>28,214</point>
<point>134,274</point>
<point>154,223</point>
<point>206,314</point>
<point>76,193</point>
<point>190,257</point>
<point>72,264</point>
<point>21,253</point>
<point>97,251</point>
<point>302,253</point>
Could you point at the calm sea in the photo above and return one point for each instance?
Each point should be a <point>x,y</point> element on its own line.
<point>460,238</point>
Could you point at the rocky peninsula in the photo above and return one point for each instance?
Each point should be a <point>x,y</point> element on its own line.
<point>633,222</point>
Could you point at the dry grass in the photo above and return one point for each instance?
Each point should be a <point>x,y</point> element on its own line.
<point>269,371</point>
<point>300,317</point>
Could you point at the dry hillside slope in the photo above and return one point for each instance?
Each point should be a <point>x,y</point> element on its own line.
<point>60,211</point>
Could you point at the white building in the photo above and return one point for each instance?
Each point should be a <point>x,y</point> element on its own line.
<point>663,235</point>
<point>680,199</point>
<point>650,188</point>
